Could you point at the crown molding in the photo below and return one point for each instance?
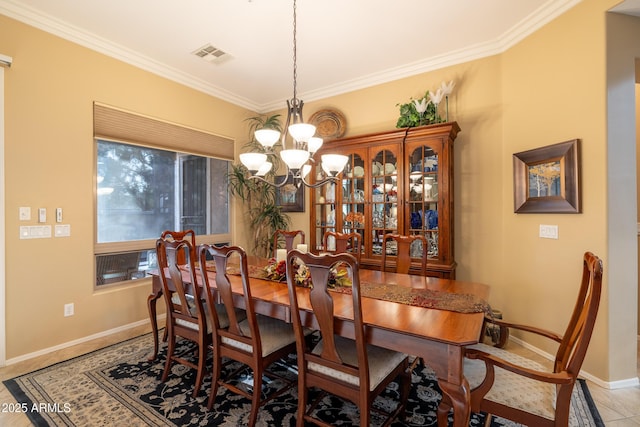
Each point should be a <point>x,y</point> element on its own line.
<point>547,13</point>
<point>91,41</point>
<point>530,24</point>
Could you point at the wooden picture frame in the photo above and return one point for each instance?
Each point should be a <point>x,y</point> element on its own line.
<point>289,197</point>
<point>547,179</point>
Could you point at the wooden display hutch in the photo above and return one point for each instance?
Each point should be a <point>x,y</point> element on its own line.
<point>395,182</point>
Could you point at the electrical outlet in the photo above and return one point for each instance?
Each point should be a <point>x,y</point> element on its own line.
<point>68,310</point>
<point>549,231</point>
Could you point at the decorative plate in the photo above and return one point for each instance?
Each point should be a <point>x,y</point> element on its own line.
<point>389,168</point>
<point>329,123</point>
<point>377,168</point>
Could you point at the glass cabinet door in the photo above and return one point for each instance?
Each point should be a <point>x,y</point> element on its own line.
<point>353,197</point>
<point>422,215</point>
<point>324,211</point>
<point>384,196</point>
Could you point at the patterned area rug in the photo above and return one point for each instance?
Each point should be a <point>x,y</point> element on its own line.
<point>117,386</point>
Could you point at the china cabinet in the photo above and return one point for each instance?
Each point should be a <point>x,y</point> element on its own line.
<point>395,182</point>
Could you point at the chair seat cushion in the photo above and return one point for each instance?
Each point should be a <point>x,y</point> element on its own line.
<point>192,309</point>
<point>274,334</point>
<point>381,362</point>
<point>512,389</point>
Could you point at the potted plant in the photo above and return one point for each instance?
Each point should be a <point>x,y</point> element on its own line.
<point>259,198</point>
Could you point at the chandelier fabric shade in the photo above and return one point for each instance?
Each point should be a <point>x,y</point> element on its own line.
<point>298,155</point>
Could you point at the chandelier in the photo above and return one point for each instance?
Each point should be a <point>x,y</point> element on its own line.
<point>298,157</point>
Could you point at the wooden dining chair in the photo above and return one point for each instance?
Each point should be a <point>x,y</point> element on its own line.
<point>256,341</point>
<point>404,256</point>
<point>344,243</point>
<point>288,236</point>
<point>177,236</point>
<point>348,368</point>
<point>521,390</point>
<point>186,315</point>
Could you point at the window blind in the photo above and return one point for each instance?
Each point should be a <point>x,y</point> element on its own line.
<point>122,126</point>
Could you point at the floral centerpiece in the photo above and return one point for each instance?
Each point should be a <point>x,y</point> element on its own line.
<point>277,271</point>
<point>357,218</point>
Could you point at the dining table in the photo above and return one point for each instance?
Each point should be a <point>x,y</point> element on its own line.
<point>428,317</point>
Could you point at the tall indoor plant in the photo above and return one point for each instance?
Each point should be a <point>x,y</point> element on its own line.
<point>259,199</point>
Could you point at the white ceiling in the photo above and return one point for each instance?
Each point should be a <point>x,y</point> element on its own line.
<point>343,45</point>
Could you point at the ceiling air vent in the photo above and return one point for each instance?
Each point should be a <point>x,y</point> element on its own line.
<point>210,53</point>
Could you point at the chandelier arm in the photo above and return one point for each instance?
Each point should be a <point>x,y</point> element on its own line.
<point>325,181</point>
<point>273,184</point>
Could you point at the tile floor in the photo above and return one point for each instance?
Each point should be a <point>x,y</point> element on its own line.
<point>618,408</point>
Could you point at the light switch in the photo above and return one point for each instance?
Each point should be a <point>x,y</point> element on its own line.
<point>58,214</point>
<point>25,213</point>
<point>42,215</point>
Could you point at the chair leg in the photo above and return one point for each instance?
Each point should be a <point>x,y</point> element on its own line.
<point>418,362</point>
<point>215,375</point>
<point>255,397</point>
<point>405,384</point>
<point>202,359</point>
<point>170,350</point>
<point>302,402</point>
<point>365,413</point>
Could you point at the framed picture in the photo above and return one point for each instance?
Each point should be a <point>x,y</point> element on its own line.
<point>547,179</point>
<point>289,197</point>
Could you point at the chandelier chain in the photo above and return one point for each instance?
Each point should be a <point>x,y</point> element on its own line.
<point>298,160</point>
<point>295,55</point>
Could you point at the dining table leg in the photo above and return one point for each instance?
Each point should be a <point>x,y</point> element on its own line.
<point>151,306</point>
<point>447,362</point>
<point>460,397</point>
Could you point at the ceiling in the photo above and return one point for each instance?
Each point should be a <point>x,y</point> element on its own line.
<point>342,45</point>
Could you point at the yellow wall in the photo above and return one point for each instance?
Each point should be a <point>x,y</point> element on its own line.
<point>49,163</point>
<point>559,73</point>
<point>549,88</point>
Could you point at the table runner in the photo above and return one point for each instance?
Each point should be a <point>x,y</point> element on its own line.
<point>427,298</point>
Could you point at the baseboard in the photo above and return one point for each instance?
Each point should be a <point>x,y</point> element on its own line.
<point>611,385</point>
<point>82,340</point>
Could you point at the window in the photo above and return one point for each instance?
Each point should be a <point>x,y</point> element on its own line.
<point>143,189</point>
